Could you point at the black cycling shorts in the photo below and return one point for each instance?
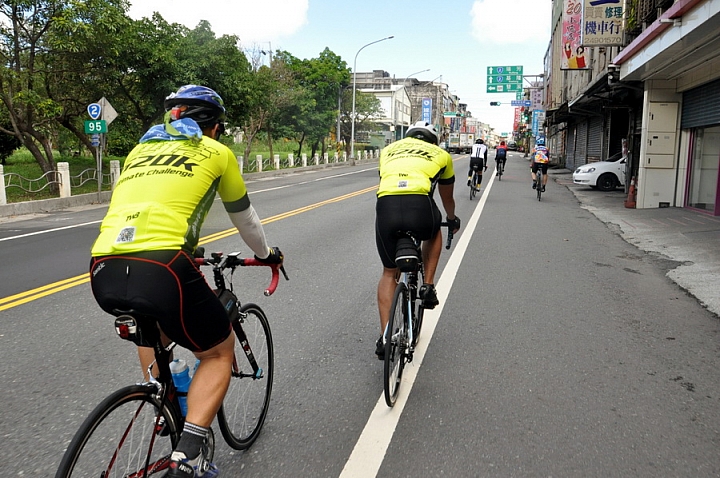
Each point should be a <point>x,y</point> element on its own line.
<point>165,285</point>
<point>476,163</point>
<point>396,214</point>
<point>535,166</point>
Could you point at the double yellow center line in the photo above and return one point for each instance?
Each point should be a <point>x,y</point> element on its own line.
<point>30,295</point>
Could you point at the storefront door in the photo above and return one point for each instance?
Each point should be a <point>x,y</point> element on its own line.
<point>704,174</point>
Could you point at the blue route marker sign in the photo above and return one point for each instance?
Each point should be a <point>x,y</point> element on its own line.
<point>94,110</point>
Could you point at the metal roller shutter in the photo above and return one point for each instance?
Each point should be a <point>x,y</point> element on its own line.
<point>595,139</point>
<point>570,149</point>
<point>701,106</point>
<point>581,144</point>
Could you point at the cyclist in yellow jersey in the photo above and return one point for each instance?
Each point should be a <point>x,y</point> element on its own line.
<point>143,257</point>
<point>409,171</point>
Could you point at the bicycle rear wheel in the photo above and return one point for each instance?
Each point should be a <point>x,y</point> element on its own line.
<point>396,343</point>
<point>473,186</point>
<point>245,407</point>
<point>538,183</point>
<point>129,434</point>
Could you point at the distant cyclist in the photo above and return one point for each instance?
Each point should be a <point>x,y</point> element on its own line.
<point>500,157</point>
<point>540,159</point>
<point>478,160</point>
<point>410,169</point>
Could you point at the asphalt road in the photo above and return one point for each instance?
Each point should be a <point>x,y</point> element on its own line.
<point>545,359</point>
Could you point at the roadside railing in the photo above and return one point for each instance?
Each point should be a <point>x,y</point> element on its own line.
<point>66,183</point>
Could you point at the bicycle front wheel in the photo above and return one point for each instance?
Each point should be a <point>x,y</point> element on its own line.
<point>396,343</point>
<point>246,403</point>
<point>129,434</point>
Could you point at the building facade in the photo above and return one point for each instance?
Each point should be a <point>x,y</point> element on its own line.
<point>654,98</point>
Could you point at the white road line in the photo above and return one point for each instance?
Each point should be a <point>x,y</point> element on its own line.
<point>254,192</point>
<point>307,182</point>
<point>369,452</point>
<point>45,231</point>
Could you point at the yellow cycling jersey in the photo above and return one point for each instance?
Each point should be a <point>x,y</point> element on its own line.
<point>165,191</point>
<point>412,166</point>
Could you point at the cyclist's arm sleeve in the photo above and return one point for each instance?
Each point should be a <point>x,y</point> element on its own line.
<point>242,214</point>
<point>250,228</point>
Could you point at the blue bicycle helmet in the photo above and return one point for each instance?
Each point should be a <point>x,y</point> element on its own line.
<point>540,141</point>
<point>199,103</point>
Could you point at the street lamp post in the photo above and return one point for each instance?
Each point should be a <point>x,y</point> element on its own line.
<point>413,74</point>
<point>352,128</point>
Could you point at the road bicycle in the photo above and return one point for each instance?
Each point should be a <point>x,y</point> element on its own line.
<point>133,432</point>
<point>474,181</point>
<point>406,315</point>
<point>500,168</point>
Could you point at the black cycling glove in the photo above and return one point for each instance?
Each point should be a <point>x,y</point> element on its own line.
<point>275,257</point>
<point>453,224</point>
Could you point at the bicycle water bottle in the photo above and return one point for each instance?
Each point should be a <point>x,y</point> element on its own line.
<point>181,378</point>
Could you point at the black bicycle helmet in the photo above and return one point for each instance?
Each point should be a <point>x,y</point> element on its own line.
<point>424,131</point>
<point>199,103</point>
<point>479,141</point>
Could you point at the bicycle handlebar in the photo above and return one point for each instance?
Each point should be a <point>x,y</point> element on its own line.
<point>450,234</point>
<point>231,261</point>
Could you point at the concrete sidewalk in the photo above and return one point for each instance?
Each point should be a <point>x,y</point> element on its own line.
<point>688,239</point>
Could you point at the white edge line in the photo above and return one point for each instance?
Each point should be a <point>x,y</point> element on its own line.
<point>49,230</point>
<point>369,452</point>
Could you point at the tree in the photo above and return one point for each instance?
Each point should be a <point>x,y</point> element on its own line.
<point>271,92</point>
<point>38,39</point>
<point>367,108</point>
<point>323,78</point>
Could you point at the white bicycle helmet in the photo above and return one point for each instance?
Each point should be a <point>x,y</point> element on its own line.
<point>424,131</point>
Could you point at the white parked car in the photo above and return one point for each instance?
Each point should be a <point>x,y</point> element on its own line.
<point>603,175</point>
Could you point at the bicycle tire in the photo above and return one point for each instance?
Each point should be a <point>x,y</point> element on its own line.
<point>246,403</point>
<point>538,183</point>
<point>500,170</point>
<point>473,186</point>
<point>395,345</point>
<point>121,437</point>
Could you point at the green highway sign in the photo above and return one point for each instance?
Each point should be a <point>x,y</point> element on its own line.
<point>505,70</point>
<point>519,95</point>
<point>504,88</point>
<point>95,126</point>
<point>494,79</point>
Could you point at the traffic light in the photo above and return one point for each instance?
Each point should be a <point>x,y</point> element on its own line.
<point>494,103</point>
<point>525,115</point>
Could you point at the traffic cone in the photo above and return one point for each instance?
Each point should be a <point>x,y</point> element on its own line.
<point>632,195</point>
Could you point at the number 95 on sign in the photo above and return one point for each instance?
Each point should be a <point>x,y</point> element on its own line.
<point>95,126</point>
